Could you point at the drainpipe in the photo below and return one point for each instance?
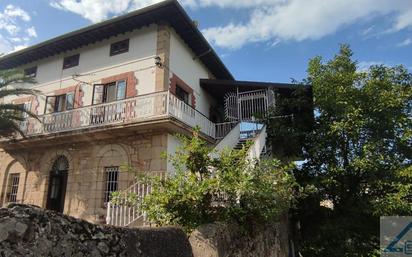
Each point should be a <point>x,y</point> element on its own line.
<point>238,104</point>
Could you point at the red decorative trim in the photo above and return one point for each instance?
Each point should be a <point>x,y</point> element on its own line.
<point>35,105</point>
<point>78,97</point>
<point>131,82</point>
<point>175,80</point>
<point>65,90</point>
<point>22,100</point>
<point>28,99</point>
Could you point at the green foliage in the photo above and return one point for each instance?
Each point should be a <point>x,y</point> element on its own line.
<point>358,155</point>
<point>220,188</point>
<point>10,114</point>
<point>289,122</point>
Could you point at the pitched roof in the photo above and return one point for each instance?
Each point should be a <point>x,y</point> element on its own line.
<point>170,12</point>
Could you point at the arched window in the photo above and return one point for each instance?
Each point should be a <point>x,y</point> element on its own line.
<point>60,164</point>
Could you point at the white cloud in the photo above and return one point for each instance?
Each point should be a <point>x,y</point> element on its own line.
<point>98,10</point>
<point>306,19</point>
<point>364,65</point>
<point>404,20</point>
<point>406,42</point>
<point>14,28</point>
<point>10,28</point>
<point>31,32</point>
<point>237,4</point>
<point>15,39</point>
<point>368,30</point>
<point>270,20</point>
<point>19,47</point>
<point>16,12</point>
<point>4,45</point>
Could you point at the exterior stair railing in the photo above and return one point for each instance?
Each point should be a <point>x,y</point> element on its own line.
<point>126,209</point>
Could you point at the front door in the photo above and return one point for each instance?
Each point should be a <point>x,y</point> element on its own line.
<point>57,191</point>
<point>57,185</point>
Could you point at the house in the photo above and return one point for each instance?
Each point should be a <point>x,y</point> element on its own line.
<point>114,94</point>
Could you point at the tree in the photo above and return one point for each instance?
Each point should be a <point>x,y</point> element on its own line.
<point>358,155</point>
<point>10,114</point>
<point>289,122</point>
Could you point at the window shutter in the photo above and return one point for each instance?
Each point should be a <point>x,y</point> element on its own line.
<point>121,89</point>
<point>69,101</point>
<point>50,104</point>
<point>98,90</point>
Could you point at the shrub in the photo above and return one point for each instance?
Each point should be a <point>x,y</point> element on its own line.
<point>210,186</point>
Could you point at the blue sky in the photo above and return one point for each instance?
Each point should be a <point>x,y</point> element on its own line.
<point>262,40</point>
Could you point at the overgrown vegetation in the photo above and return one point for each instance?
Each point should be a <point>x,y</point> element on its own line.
<point>358,155</point>
<point>11,114</point>
<point>210,186</point>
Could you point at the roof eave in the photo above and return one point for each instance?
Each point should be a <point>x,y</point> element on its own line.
<point>151,13</point>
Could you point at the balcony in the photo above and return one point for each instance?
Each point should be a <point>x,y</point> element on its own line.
<point>132,110</point>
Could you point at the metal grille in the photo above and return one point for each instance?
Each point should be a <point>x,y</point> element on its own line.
<point>252,103</point>
<point>112,182</point>
<point>14,187</point>
<point>231,106</point>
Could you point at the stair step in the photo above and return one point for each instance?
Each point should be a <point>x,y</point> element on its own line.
<point>242,142</point>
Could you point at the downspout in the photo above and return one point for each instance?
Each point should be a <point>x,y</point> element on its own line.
<point>238,104</point>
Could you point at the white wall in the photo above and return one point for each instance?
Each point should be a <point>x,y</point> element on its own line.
<point>172,144</point>
<point>96,63</point>
<point>190,71</point>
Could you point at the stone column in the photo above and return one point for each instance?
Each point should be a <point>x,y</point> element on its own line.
<point>163,51</point>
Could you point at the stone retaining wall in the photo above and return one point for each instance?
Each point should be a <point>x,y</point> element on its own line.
<point>27,230</point>
<point>31,231</point>
<point>227,240</point>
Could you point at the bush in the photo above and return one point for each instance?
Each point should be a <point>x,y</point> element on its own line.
<point>210,186</point>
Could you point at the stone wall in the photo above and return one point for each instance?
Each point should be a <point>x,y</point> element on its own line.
<point>31,231</point>
<point>223,240</point>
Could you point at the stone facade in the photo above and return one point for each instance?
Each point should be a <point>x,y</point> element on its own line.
<point>86,181</point>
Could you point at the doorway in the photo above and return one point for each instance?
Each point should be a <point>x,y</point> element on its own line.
<point>57,184</point>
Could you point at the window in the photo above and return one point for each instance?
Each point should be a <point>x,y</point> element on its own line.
<point>31,72</point>
<point>60,103</point>
<point>105,93</point>
<point>182,94</point>
<point>119,47</point>
<point>13,188</point>
<point>22,114</point>
<point>111,181</point>
<point>71,61</point>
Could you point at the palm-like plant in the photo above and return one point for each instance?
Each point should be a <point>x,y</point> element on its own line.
<point>12,114</point>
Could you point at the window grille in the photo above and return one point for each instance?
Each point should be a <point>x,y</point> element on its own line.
<point>13,188</point>
<point>112,182</point>
<point>71,61</point>
<point>119,47</point>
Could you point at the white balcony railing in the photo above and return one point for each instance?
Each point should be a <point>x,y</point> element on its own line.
<point>136,109</point>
